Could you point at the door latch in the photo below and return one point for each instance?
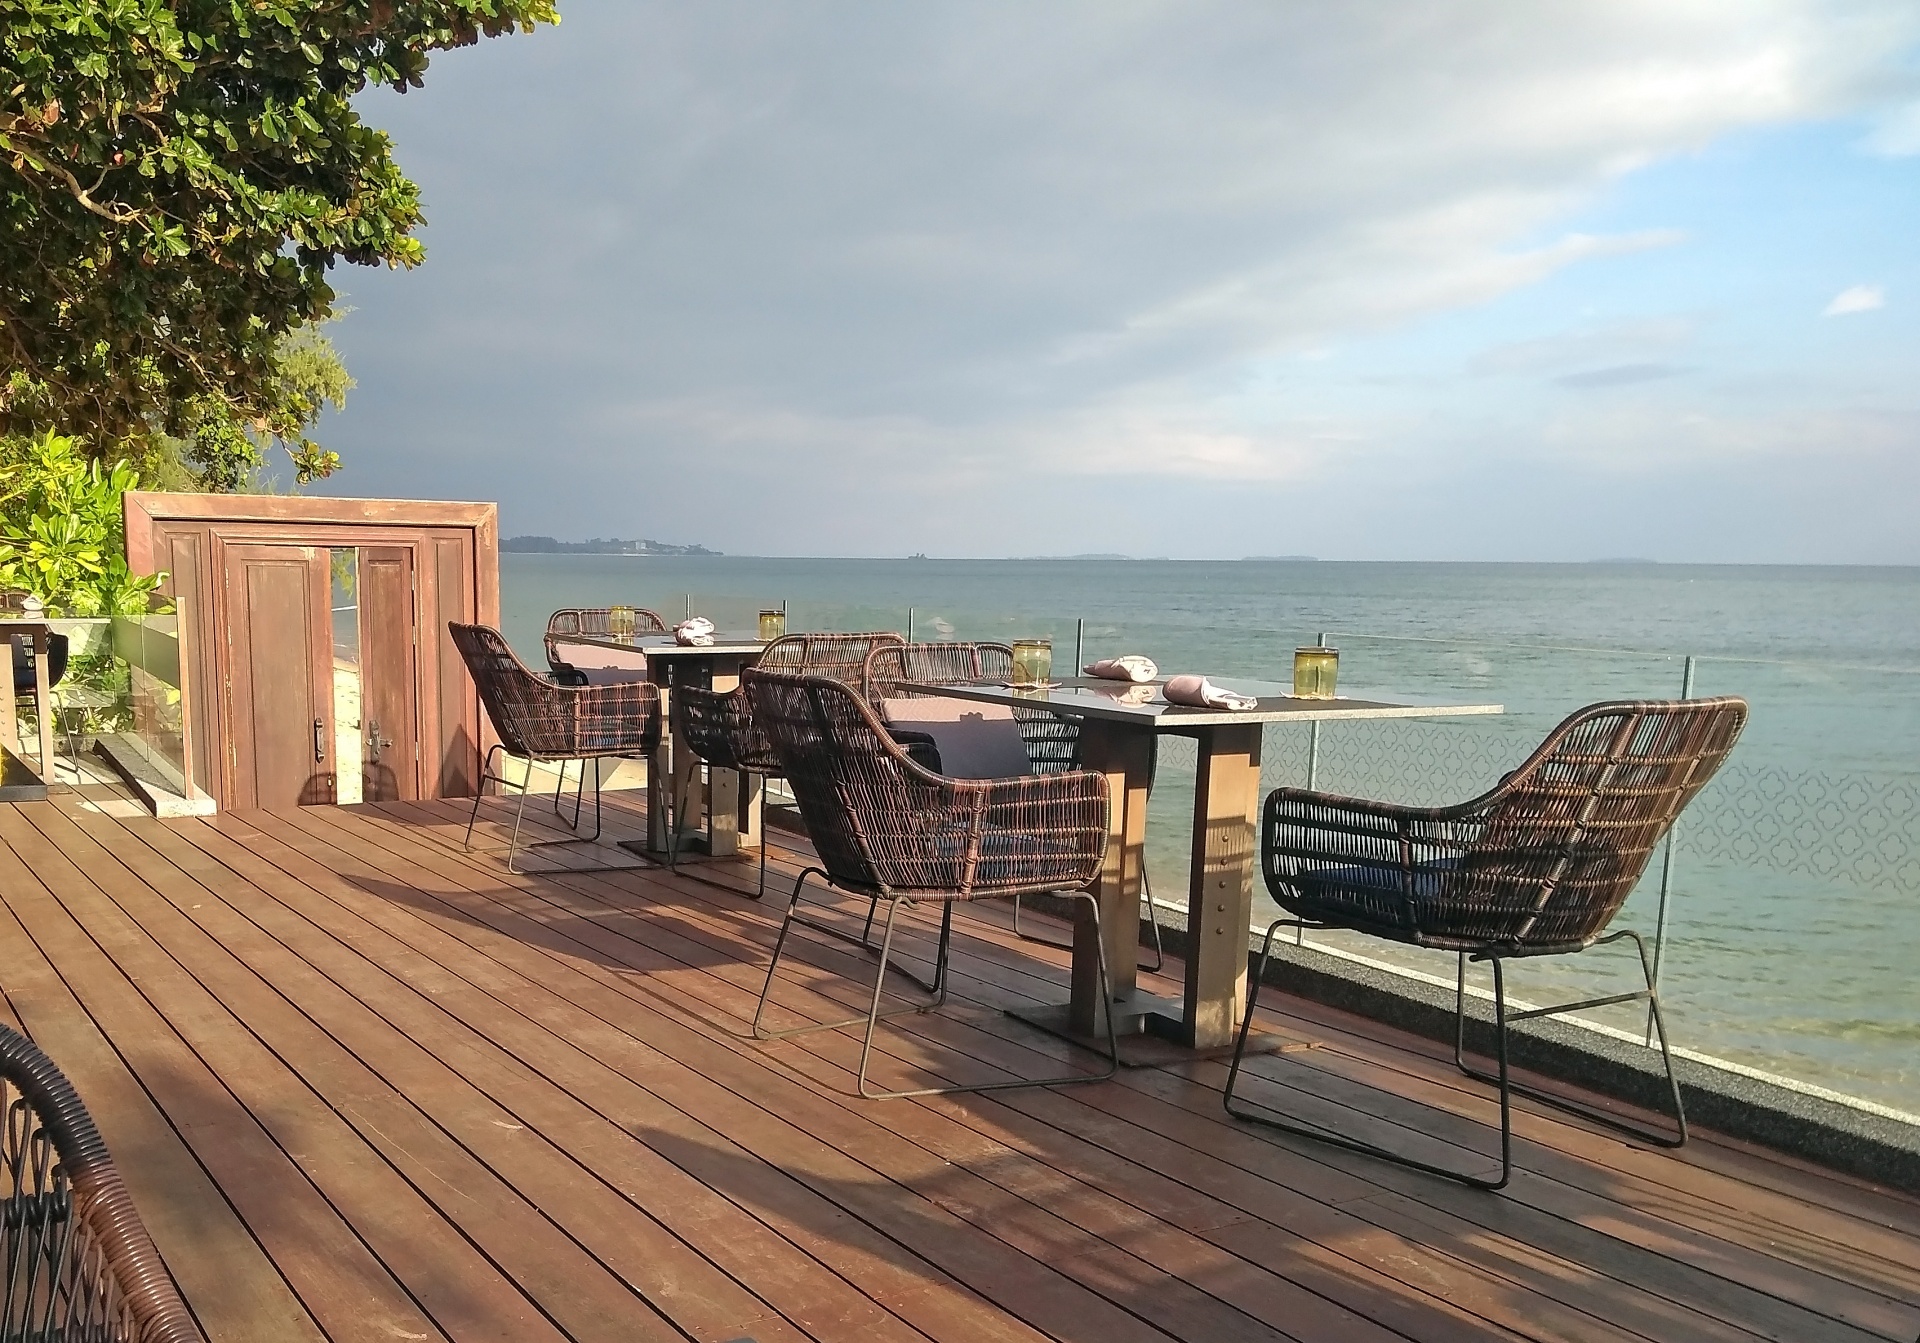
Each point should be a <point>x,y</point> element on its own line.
<point>320,741</point>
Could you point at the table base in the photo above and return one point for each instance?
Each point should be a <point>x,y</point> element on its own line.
<point>1149,1036</point>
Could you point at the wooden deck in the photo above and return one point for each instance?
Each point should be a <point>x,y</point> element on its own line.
<point>365,1086</point>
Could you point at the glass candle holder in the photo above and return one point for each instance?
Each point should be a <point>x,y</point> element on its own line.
<point>620,621</point>
<point>1314,672</point>
<point>1032,661</point>
<point>773,625</point>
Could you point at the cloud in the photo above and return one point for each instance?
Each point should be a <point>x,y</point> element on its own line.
<point>1896,134</point>
<point>1856,298</point>
<point>1620,375</point>
<point>832,257</point>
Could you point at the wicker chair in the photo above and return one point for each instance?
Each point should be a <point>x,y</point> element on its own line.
<point>540,721</point>
<point>594,620</point>
<point>1052,739</point>
<point>816,653</point>
<point>79,1264</point>
<point>718,727</point>
<point>886,828</point>
<point>1538,866</point>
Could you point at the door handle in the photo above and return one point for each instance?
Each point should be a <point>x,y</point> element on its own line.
<point>375,741</point>
<point>320,741</point>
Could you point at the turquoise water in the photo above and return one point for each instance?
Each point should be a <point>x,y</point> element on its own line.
<point>1795,885</point>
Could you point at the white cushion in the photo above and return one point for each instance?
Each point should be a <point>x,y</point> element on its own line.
<point>975,741</point>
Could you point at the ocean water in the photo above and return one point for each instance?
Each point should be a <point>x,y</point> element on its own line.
<point>1793,912</point>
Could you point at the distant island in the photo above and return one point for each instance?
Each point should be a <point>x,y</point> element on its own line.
<point>1281,559</point>
<point>546,545</point>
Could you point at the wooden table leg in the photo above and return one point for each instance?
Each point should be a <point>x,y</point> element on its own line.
<point>660,775</point>
<point>1123,754</point>
<point>9,715</point>
<point>724,786</point>
<point>1226,809</point>
<point>43,703</point>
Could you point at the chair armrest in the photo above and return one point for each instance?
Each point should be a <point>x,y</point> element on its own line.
<point>1040,832</point>
<point>615,718</point>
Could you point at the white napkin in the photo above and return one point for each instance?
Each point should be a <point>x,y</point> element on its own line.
<point>1131,667</point>
<point>695,633</point>
<point>1200,693</point>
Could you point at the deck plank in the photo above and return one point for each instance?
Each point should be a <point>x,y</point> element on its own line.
<point>370,1085</point>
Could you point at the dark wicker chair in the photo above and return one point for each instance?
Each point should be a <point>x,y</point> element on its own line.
<point>553,724</point>
<point>1052,739</point>
<point>718,727</point>
<point>1538,866</point>
<point>886,828</point>
<point>79,1263</point>
<point>593,620</point>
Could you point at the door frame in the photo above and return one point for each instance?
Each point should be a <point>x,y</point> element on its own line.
<point>457,577</point>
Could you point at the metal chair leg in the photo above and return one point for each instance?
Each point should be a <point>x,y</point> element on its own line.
<point>874,1017</point>
<point>1650,995</point>
<point>779,945</point>
<point>761,890</point>
<point>1354,1145</point>
<point>1153,921</point>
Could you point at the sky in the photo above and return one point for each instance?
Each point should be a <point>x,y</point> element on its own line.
<point>1394,281</point>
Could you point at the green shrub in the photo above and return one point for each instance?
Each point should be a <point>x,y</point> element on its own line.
<point>62,533</point>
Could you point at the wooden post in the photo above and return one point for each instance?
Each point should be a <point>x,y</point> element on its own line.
<point>1226,809</point>
<point>1122,753</point>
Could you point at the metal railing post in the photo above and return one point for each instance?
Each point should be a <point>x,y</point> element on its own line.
<point>1079,639</point>
<point>1666,870</point>
<point>909,624</point>
<point>1313,771</point>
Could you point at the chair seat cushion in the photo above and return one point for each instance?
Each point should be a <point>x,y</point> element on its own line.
<point>975,741</point>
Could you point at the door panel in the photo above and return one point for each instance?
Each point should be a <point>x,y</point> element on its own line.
<point>389,709</point>
<point>278,710</point>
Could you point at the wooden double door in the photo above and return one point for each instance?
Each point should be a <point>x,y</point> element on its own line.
<point>288,701</point>
<point>293,700</point>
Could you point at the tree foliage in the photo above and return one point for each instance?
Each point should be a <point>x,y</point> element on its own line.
<point>179,177</point>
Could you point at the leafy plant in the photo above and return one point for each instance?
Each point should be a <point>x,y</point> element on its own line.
<point>178,178</point>
<point>62,532</point>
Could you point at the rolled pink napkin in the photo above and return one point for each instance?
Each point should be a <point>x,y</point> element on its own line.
<point>1199,693</point>
<point>1131,667</point>
<point>694,633</point>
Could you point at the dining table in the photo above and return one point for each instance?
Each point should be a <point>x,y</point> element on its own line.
<point>725,802</point>
<point>1119,722</point>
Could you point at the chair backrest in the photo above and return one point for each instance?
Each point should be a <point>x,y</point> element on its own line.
<point>57,650</point>
<point>79,1263</point>
<point>1563,839</point>
<point>719,727</point>
<point>532,716</point>
<point>891,664</point>
<point>868,809</point>
<point>816,653</point>
<point>594,620</point>
<point>1052,740</point>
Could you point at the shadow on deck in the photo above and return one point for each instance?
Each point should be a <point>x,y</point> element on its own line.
<point>367,1086</point>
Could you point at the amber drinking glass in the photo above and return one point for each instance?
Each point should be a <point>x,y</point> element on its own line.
<point>1314,672</point>
<point>773,625</point>
<point>1032,661</point>
<point>620,621</point>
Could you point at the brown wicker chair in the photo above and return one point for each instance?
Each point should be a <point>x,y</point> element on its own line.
<point>1538,866</point>
<point>718,727</point>
<point>886,828</point>
<point>1052,739</point>
<point>540,721</point>
<point>594,620</point>
<point>818,653</point>
<point>79,1264</point>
